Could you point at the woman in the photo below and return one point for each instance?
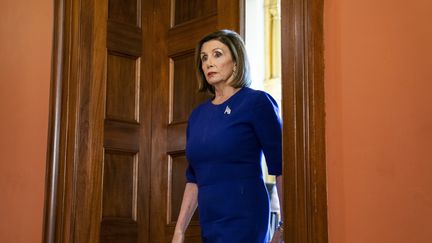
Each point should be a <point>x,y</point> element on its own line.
<point>225,138</point>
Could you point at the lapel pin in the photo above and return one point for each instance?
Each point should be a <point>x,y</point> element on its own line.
<point>227,110</point>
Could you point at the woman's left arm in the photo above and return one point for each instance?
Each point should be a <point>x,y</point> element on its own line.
<point>278,234</point>
<point>279,187</point>
<point>268,127</point>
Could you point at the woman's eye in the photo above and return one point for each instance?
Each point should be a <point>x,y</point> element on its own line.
<point>217,54</point>
<point>203,58</point>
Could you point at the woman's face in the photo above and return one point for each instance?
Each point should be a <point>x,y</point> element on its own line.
<point>216,62</point>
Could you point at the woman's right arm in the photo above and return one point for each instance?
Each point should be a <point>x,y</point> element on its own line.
<point>188,207</point>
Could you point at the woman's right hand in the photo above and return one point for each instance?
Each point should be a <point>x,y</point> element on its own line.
<point>178,238</point>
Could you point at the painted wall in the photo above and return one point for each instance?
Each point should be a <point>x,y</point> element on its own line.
<point>379,120</point>
<point>25,56</point>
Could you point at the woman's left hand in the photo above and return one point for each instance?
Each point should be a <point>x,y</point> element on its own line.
<point>277,237</point>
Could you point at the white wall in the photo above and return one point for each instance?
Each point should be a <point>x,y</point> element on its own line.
<point>254,40</point>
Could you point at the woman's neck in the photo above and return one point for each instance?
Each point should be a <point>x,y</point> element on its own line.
<point>223,92</point>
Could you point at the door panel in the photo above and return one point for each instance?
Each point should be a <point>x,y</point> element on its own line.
<point>119,200</point>
<point>180,25</point>
<point>125,11</point>
<point>188,10</point>
<point>122,91</point>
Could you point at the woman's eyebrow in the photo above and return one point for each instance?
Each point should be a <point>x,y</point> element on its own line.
<point>217,48</point>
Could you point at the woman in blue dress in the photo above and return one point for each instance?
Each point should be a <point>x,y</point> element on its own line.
<point>226,137</point>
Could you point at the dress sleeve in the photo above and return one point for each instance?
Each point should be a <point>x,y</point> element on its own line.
<point>268,128</point>
<point>190,173</point>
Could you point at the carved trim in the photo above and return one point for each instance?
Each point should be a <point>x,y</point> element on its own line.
<point>305,204</point>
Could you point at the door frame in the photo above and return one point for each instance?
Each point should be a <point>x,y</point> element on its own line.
<point>304,170</point>
<point>305,194</point>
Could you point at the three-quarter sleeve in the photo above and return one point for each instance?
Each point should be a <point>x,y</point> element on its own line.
<point>268,128</point>
<point>190,173</point>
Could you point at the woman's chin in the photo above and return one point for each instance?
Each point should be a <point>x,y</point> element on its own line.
<point>215,82</point>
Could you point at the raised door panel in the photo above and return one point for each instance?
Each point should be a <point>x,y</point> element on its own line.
<point>119,194</point>
<point>119,198</point>
<point>122,89</point>
<point>189,10</point>
<point>125,11</point>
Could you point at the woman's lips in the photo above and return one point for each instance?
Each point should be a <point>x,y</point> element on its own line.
<point>211,74</point>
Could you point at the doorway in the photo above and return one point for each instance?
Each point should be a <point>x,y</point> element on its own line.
<point>91,137</point>
<point>263,45</point>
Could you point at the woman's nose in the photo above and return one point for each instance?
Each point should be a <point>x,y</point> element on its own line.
<point>209,63</point>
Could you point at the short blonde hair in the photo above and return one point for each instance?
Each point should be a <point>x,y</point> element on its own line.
<point>235,44</point>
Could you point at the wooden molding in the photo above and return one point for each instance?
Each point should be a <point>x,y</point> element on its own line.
<point>62,123</point>
<point>305,197</point>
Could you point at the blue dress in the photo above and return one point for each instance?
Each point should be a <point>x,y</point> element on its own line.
<point>224,149</point>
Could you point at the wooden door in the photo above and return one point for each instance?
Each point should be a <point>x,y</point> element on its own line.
<point>179,25</point>
<point>111,194</point>
<point>101,175</point>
